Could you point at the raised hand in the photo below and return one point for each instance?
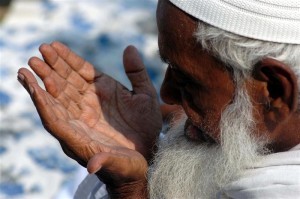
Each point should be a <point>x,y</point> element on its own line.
<point>90,113</point>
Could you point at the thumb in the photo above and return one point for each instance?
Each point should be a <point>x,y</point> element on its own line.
<point>136,72</point>
<point>96,162</point>
<point>104,160</point>
<point>116,169</point>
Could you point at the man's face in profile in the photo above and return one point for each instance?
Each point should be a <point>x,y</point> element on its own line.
<point>194,79</point>
<point>212,142</point>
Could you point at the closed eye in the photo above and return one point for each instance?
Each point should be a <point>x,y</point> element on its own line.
<point>180,76</point>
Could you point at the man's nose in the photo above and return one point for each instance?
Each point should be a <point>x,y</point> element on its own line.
<point>170,92</point>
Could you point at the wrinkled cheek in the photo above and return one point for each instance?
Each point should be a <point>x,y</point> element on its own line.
<point>206,119</point>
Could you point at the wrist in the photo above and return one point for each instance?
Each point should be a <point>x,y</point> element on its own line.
<point>133,190</point>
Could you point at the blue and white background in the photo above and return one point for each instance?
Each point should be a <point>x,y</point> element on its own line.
<point>32,165</point>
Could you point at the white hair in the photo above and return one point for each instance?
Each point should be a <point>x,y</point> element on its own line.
<point>185,169</point>
<point>242,53</point>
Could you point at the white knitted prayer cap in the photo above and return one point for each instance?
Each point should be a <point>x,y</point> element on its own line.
<point>269,20</point>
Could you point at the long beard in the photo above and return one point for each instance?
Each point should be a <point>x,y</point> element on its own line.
<point>184,169</point>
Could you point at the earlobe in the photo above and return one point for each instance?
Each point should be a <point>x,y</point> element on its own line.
<point>281,90</point>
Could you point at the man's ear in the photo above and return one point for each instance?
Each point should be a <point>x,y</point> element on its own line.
<point>280,90</point>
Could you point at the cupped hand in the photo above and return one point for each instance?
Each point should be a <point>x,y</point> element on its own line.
<point>90,113</point>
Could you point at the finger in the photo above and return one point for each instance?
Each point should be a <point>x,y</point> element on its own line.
<point>42,100</point>
<point>108,161</point>
<point>62,68</point>
<point>54,116</point>
<point>96,162</point>
<point>39,67</point>
<point>30,79</point>
<point>136,72</point>
<point>54,84</point>
<point>54,61</point>
<point>52,81</point>
<point>115,167</point>
<point>37,94</point>
<point>78,64</point>
<point>49,111</point>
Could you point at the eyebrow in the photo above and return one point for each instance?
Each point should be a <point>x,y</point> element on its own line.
<point>183,73</point>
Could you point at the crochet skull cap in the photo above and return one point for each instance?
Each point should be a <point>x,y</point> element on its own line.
<point>268,20</point>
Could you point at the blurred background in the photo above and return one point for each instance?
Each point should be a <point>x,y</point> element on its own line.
<point>32,164</point>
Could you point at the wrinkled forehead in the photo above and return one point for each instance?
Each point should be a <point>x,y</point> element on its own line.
<point>175,27</point>
<point>170,16</point>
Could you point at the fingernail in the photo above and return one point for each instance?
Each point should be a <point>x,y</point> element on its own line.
<point>21,77</point>
<point>21,80</point>
<point>94,170</point>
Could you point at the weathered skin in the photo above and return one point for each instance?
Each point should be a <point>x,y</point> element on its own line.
<point>112,131</point>
<point>94,117</point>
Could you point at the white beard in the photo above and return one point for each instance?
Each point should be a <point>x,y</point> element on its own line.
<point>184,169</point>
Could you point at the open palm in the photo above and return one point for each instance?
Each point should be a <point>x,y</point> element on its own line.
<point>91,113</point>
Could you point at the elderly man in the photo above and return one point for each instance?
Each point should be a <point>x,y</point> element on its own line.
<point>233,67</point>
